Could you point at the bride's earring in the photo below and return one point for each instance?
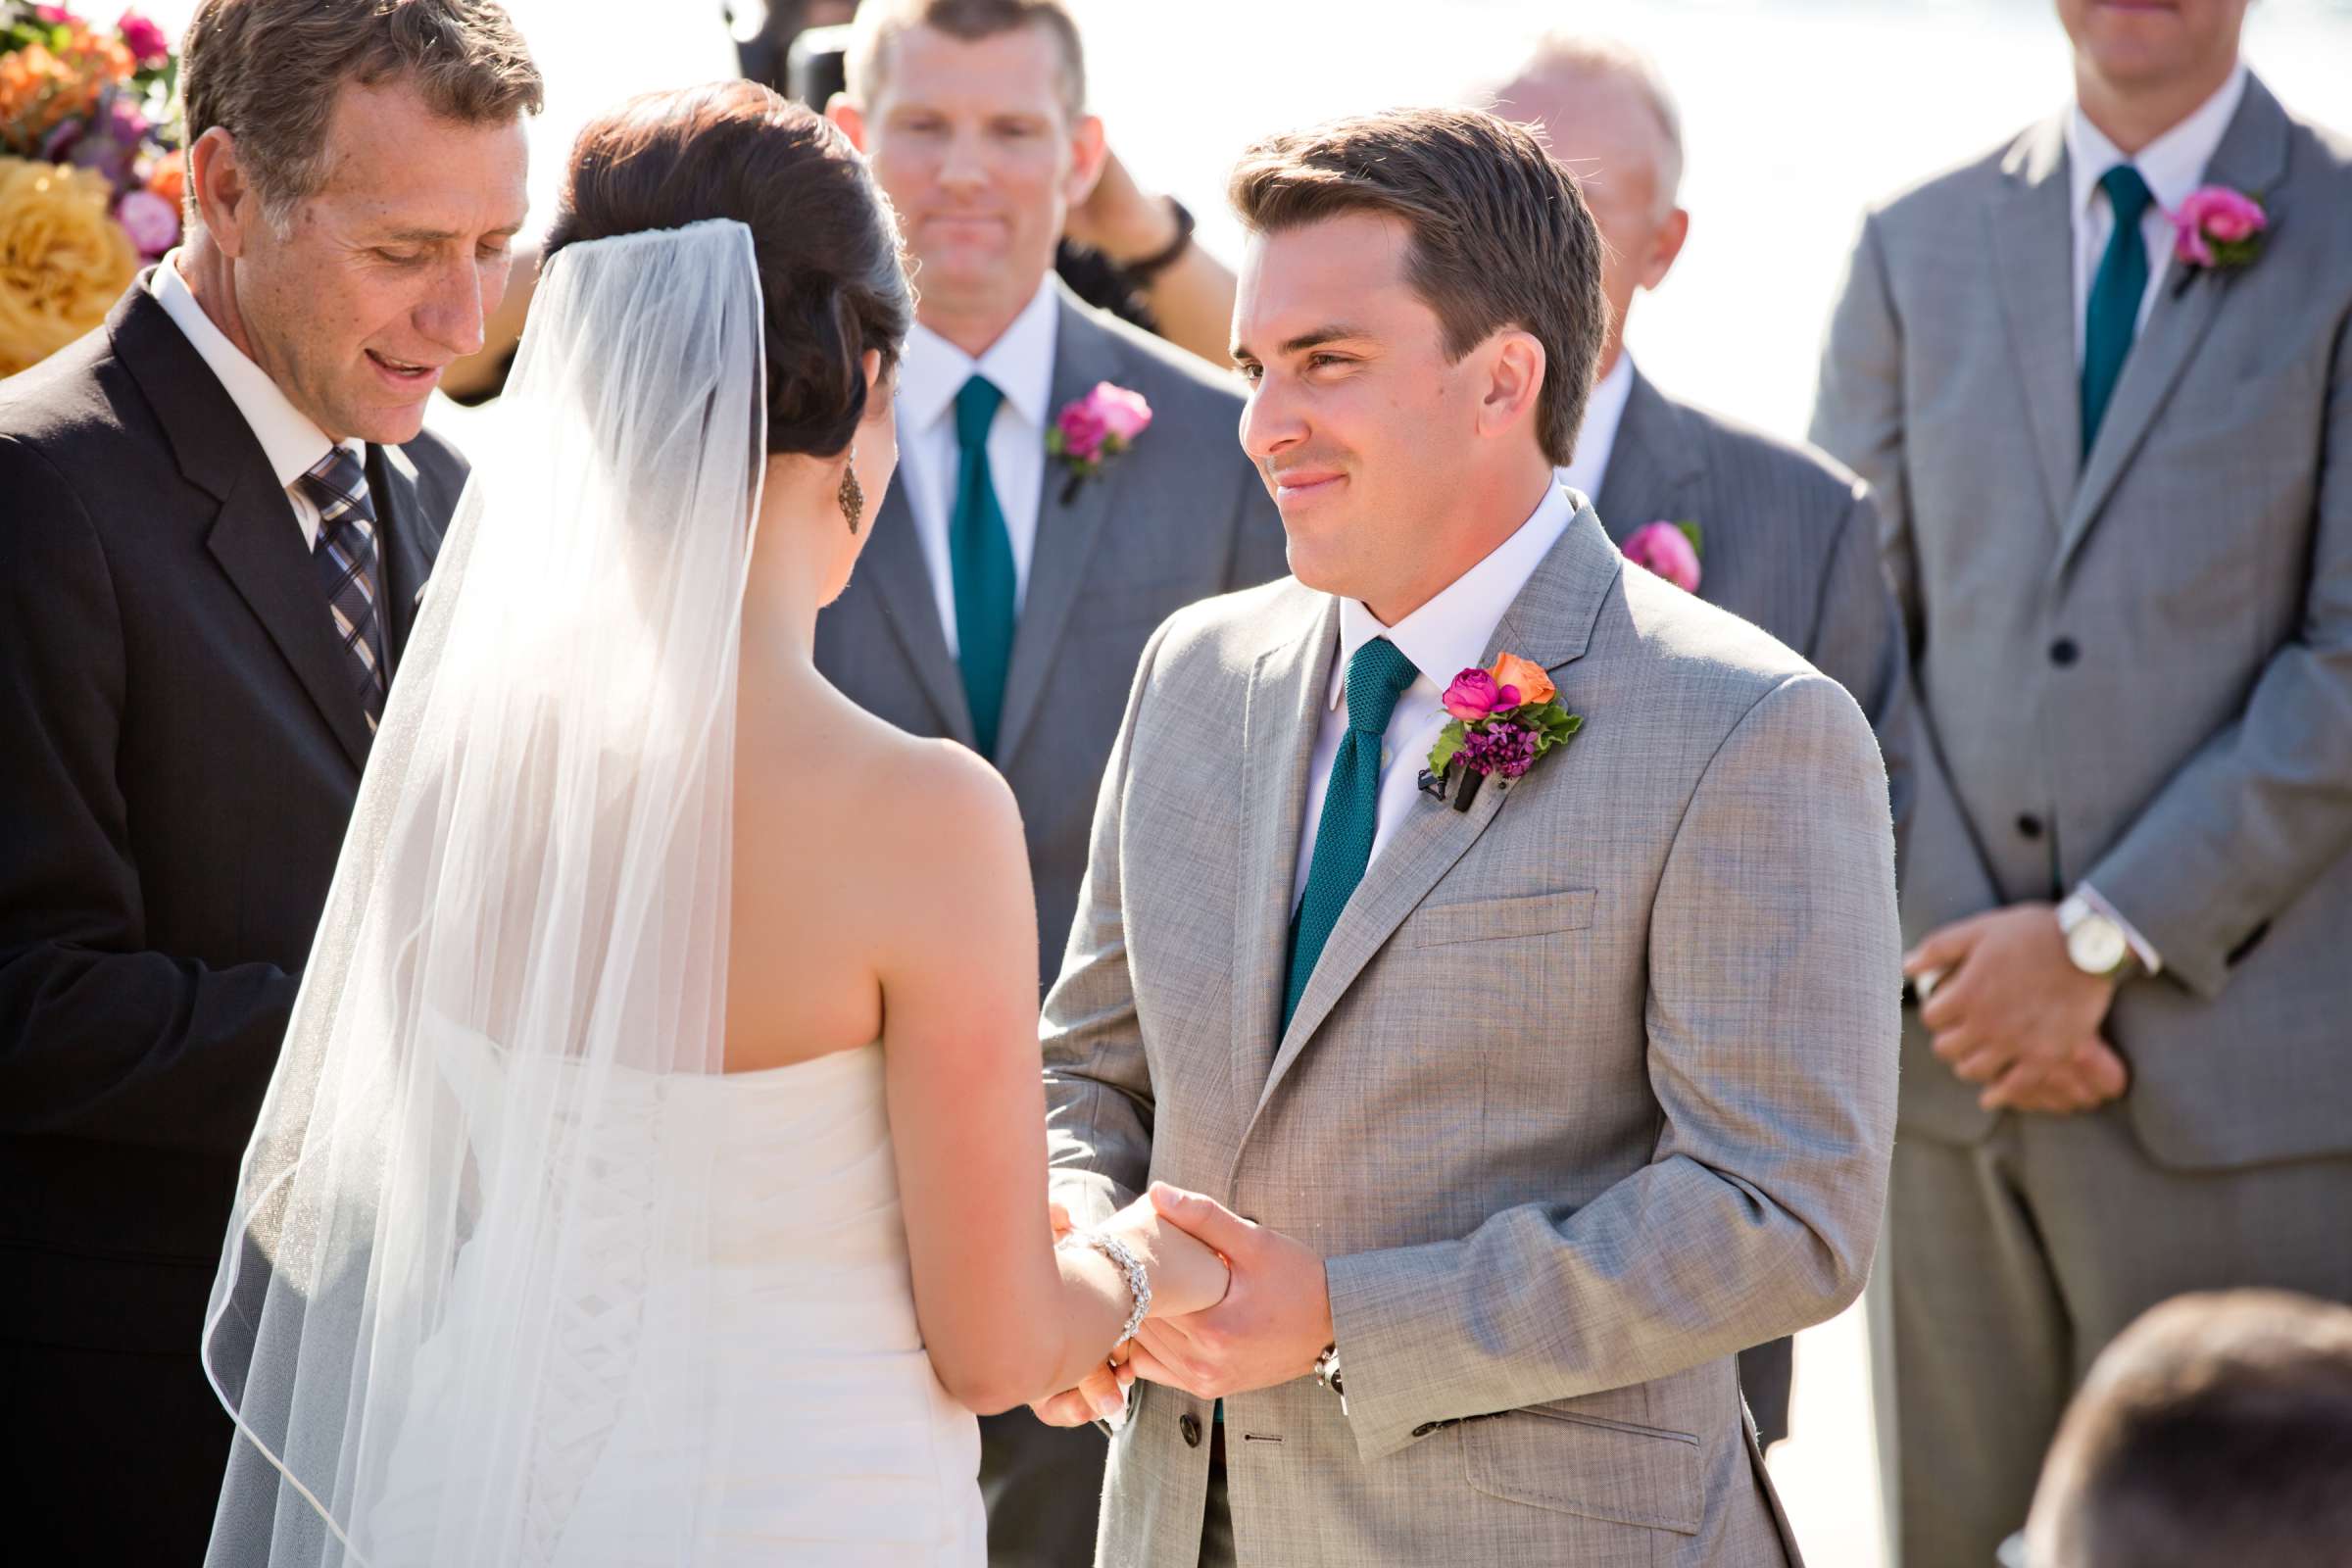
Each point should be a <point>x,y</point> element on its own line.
<point>852,494</point>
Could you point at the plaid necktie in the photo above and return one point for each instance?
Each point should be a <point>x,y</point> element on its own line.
<point>346,555</point>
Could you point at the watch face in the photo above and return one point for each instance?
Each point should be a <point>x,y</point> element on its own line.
<point>2096,944</point>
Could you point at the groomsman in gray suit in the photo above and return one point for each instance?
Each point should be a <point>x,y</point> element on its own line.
<point>1542,1099</point>
<point>1791,537</point>
<point>2117,473</point>
<point>1005,596</point>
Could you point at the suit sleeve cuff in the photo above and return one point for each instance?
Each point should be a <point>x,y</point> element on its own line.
<point>2141,947</point>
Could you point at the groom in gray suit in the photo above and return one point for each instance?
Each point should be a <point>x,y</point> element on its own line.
<point>1005,596</point>
<point>1790,538</point>
<point>2118,482</point>
<point>1542,1099</point>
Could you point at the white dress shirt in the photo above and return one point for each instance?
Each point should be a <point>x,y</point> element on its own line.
<point>2174,165</point>
<point>1604,411</point>
<point>290,440</point>
<point>1443,638</point>
<point>1021,363</point>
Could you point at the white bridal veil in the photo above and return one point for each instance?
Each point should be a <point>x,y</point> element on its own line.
<point>457,1194</point>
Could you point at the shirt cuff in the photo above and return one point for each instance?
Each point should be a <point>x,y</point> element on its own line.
<point>2150,959</point>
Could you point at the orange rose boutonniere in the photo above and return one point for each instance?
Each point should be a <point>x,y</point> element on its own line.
<point>1503,719</point>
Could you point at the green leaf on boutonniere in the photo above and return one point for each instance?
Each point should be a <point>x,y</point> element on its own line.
<point>1691,531</point>
<point>1449,741</point>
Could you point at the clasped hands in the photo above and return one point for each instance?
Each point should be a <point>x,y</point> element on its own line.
<point>1235,1306</point>
<point>2009,1011</point>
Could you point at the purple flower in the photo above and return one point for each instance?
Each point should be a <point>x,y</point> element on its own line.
<point>148,43</point>
<point>1501,747</point>
<point>152,223</point>
<point>1474,695</point>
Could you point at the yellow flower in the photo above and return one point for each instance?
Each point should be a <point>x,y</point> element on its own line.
<point>64,260</point>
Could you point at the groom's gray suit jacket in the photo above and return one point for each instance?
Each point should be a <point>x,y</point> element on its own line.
<point>1593,1084</point>
<point>1179,516</point>
<point>2134,668</point>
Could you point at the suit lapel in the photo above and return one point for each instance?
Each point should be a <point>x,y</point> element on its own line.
<point>409,539</point>
<point>893,564</point>
<point>1549,623</point>
<point>1652,466</point>
<point>2252,156</point>
<point>1282,714</point>
<point>2032,238</point>
<point>1066,530</point>
<point>253,535</point>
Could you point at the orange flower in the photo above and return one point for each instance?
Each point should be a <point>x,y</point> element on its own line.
<point>169,178</point>
<point>1534,685</point>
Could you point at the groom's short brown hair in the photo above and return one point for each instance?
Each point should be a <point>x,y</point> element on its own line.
<point>1500,239</point>
<point>269,72</point>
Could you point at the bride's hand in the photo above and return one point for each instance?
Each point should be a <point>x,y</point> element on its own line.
<point>1185,1276</point>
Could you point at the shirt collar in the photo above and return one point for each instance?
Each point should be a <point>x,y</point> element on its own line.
<point>1449,634</point>
<point>2173,164</point>
<point>290,440</point>
<point>1604,411</point>
<point>1020,362</point>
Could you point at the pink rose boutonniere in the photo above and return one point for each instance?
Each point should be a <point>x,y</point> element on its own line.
<point>1503,718</point>
<point>2217,230</point>
<point>1100,424</point>
<point>1669,549</point>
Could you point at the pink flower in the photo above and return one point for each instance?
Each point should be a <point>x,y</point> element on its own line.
<point>51,15</point>
<point>148,43</point>
<point>1474,695</point>
<point>152,223</point>
<point>1665,549</point>
<point>1083,430</point>
<point>2215,225</point>
<point>1104,420</point>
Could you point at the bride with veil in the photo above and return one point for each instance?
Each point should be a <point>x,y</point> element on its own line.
<point>654,1170</point>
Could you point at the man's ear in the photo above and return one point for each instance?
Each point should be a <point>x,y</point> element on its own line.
<point>1089,151</point>
<point>1514,382</point>
<point>224,198</point>
<point>848,114</point>
<point>1672,234</point>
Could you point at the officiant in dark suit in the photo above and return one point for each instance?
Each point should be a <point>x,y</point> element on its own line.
<point>221,510</point>
<point>1786,538</point>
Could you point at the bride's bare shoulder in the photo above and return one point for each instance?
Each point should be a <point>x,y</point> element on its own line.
<point>933,799</point>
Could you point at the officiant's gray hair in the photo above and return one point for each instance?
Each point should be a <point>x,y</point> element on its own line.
<point>270,71</point>
<point>1565,58</point>
<point>866,65</point>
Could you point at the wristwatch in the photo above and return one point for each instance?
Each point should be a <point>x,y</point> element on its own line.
<point>1327,1373</point>
<point>2095,942</point>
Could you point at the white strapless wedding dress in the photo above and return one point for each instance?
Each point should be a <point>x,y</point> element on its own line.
<point>801,1425</point>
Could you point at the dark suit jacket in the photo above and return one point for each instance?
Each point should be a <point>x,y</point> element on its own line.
<point>1180,516</point>
<point>182,749</point>
<point>1792,544</point>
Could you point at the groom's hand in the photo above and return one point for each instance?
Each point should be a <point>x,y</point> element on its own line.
<point>1275,1319</point>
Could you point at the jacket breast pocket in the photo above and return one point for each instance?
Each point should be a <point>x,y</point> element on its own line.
<point>1484,920</point>
<point>1588,1466</point>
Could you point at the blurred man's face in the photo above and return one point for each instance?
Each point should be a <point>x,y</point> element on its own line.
<point>384,274</point>
<point>1602,130</point>
<point>1356,419</point>
<point>2149,43</point>
<point>976,148</point>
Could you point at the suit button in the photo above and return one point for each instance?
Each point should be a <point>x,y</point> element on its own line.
<point>2029,825</point>
<point>2063,651</point>
<point>1190,1425</point>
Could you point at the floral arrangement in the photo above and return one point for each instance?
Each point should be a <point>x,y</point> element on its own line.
<point>1100,424</point>
<point>1502,718</point>
<point>91,182</point>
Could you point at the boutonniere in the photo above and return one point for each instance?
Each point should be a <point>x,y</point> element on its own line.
<point>2217,230</point>
<point>1503,719</point>
<point>1669,549</point>
<point>1100,424</point>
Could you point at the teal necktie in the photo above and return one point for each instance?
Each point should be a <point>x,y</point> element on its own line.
<point>2116,290</point>
<point>1377,675</point>
<point>980,555</point>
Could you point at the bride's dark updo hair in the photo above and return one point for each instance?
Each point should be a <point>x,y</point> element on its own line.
<point>831,275</point>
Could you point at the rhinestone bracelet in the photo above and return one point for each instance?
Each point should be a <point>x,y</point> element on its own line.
<point>1139,1282</point>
